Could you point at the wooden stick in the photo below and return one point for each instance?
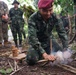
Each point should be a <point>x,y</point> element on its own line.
<point>70,26</point>
<point>17,70</point>
<point>10,65</point>
<point>41,61</point>
<point>51,45</point>
<point>67,67</point>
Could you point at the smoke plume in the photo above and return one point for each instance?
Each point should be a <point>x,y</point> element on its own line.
<point>62,57</point>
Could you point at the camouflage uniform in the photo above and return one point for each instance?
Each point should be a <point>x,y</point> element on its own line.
<point>17,23</point>
<point>40,32</point>
<point>3,25</point>
<point>65,21</point>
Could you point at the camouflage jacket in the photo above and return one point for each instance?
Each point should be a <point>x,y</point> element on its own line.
<point>65,21</point>
<point>16,16</point>
<point>39,31</point>
<point>3,8</point>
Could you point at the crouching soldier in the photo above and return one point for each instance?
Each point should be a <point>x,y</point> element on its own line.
<point>40,26</point>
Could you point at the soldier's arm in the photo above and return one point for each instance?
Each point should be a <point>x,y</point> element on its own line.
<point>21,12</point>
<point>61,32</point>
<point>33,40</point>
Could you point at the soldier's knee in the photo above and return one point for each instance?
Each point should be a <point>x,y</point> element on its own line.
<point>31,60</point>
<point>32,56</point>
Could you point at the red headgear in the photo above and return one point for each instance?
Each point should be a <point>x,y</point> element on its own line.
<point>45,3</point>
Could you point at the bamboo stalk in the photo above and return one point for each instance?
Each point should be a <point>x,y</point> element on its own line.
<point>67,67</point>
<point>51,45</point>
<point>41,61</point>
<point>11,65</point>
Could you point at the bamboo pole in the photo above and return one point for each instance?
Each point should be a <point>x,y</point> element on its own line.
<point>51,45</point>
<point>67,67</point>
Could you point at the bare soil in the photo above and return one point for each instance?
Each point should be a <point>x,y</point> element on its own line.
<point>32,70</point>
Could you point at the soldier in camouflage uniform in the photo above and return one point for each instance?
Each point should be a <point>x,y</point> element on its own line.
<point>65,21</point>
<point>17,24</point>
<point>40,26</point>
<point>3,23</point>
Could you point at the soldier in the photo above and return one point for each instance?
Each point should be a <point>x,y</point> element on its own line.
<point>65,21</point>
<point>17,24</point>
<point>3,23</point>
<point>40,26</point>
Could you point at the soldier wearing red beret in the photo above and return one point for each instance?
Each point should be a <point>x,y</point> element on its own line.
<point>40,27</point>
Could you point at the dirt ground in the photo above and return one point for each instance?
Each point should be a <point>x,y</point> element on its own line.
<point>31,70</point>
<point>46,70</point>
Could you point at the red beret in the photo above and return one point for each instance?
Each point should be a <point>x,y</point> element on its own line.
<point>45,3</point>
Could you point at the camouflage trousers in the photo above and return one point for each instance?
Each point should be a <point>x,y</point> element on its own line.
<point>34,55</point>
<point>3,31</point>
<point>17,34</point>
<point>23,31</point>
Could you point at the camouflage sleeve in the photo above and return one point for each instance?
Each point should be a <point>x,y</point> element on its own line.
<point>33,40</point>
<point>6,8</point>
<point>61,32</point>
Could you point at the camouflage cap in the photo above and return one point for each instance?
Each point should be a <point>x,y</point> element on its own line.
<point>15,2</point>
<point>45,3</point>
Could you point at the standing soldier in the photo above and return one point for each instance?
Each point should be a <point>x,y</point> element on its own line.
<point>17,25</point>
<point>3,23</point>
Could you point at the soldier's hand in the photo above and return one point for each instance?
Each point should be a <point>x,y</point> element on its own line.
<point>5,16</point>
<point>49,57</point>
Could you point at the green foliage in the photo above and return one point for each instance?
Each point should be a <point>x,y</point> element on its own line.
<point>3,72</point>
<point>59,5</point>
<point>30,6</point>
<point>35,3</point>
<point>73,46</point>
<point>66,5</point>
<point>7,71</point>
<point>26,29</point>
<point>28,10</point>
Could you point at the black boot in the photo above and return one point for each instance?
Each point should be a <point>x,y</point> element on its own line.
<point>16,44</point>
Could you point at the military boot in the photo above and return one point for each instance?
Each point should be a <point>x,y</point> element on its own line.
<point>20,43</point>
<point>16,44</point>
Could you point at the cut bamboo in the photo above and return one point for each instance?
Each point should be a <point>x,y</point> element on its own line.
<point>67,67</point>
<point>51,45</point>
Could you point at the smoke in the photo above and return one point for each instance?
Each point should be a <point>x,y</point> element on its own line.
<point>62,57</point>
